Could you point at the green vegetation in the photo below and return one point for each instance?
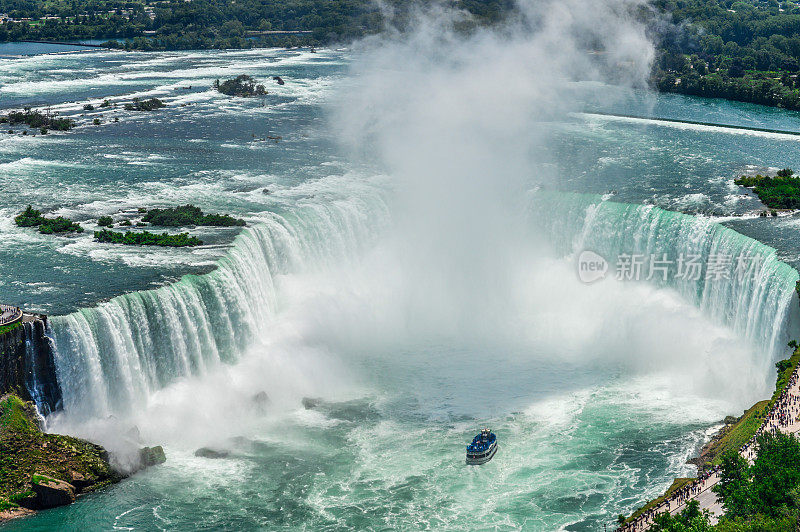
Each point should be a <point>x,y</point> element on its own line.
<point>740,50</point>
<point>145,238</point>
<point>737,434</point>
<point>31,217</point>
<point>59,225</point>
<point>37,120</point>
<point>105,221</point>
<point>689,519</point>
<point>27,455</point>
<point>779,192</point>
<point>243,86</point>
<point>144,105</point>
<point>764,496</point>
<point>180,25</point>
<point>677,484</point>
<point>747,50</point>
<point>7,328</point>
<point>186,215</point>
<point>724,447</point>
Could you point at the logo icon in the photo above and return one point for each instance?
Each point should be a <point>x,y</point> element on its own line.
<point>591,267</point>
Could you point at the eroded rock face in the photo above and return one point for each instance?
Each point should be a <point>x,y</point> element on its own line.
<point>51,492</point>
<point>207,452</point>
<point>27,366</point>
<point>42,470</point>
<point>82,481</point>
<point>310,403</point>
<point>151,456</point>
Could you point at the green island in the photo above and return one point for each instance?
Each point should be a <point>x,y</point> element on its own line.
<point>243,86</point>
<point>37,120</point>
<point>186,215</point>
<point>763,497</point>
<point>144,105</point>
<point>31,217</point>
<point>181,216</point>
<point>40,470</point>
<point>105,221</point>
<point>146,238</point>
<point>779,192</point>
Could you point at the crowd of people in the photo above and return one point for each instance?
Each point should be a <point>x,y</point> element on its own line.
<point>781,418</point>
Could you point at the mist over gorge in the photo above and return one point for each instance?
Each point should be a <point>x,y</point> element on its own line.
<point>416,205</point>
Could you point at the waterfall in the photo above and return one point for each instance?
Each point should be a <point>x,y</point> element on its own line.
<point>112,357</point>
<point>757,306</point>
<point>41,381</point>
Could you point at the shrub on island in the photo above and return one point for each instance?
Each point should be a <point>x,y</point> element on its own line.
<point>37,120</point>
<point>59,225</point>
<point>146,238</point>
<point>779,192</point>
<point>144,105</point>
<point>105,221</point>
<point>31,217</point>
<point>243,86</point>
<point>185,215</point>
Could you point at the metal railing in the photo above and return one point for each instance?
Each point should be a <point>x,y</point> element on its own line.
<point>9,314</point>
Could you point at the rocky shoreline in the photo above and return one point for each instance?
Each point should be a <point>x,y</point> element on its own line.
<point>40,470</point>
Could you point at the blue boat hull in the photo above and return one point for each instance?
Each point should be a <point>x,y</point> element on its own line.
<point>477,460</point>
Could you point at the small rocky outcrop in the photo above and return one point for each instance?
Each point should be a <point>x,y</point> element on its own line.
<point>51,492</point>
<point>261,402</point>
<point>208,452</point>
<point>150,456</point>
<point>309,403</point>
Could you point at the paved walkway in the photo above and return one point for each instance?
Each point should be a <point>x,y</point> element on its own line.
<point>9,314</point>
<point>784,417</point>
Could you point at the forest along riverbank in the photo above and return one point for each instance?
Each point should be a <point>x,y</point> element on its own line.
<point>777,414</point>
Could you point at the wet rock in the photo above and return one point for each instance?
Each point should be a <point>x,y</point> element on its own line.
<point>311,402</point>
<point>207,452</point>
<point>151,456</point>
<point>81,481</point>
<point>133,434</point>
<point>51,492</point>
<point>261,402</point>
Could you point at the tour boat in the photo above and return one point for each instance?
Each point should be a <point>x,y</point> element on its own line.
<point>482,448</point>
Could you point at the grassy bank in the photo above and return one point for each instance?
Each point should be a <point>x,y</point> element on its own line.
<point>7,328</point>
<point>737,434</point>
<point>733,435</point>
<point>677,484</point>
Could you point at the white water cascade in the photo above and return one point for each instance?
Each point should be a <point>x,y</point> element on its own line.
<point>113,357</point>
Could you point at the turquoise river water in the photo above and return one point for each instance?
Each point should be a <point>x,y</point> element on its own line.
<point>412,341</point>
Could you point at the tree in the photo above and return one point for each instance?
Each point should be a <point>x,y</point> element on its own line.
<point>734,485</point>
<point>776,473</point>
<point>691,519</point>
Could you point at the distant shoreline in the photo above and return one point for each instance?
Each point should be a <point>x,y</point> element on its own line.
<point>61,43</point>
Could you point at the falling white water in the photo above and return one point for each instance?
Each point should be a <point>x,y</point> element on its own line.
<point>113,357</point>
<point>758,306</point>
